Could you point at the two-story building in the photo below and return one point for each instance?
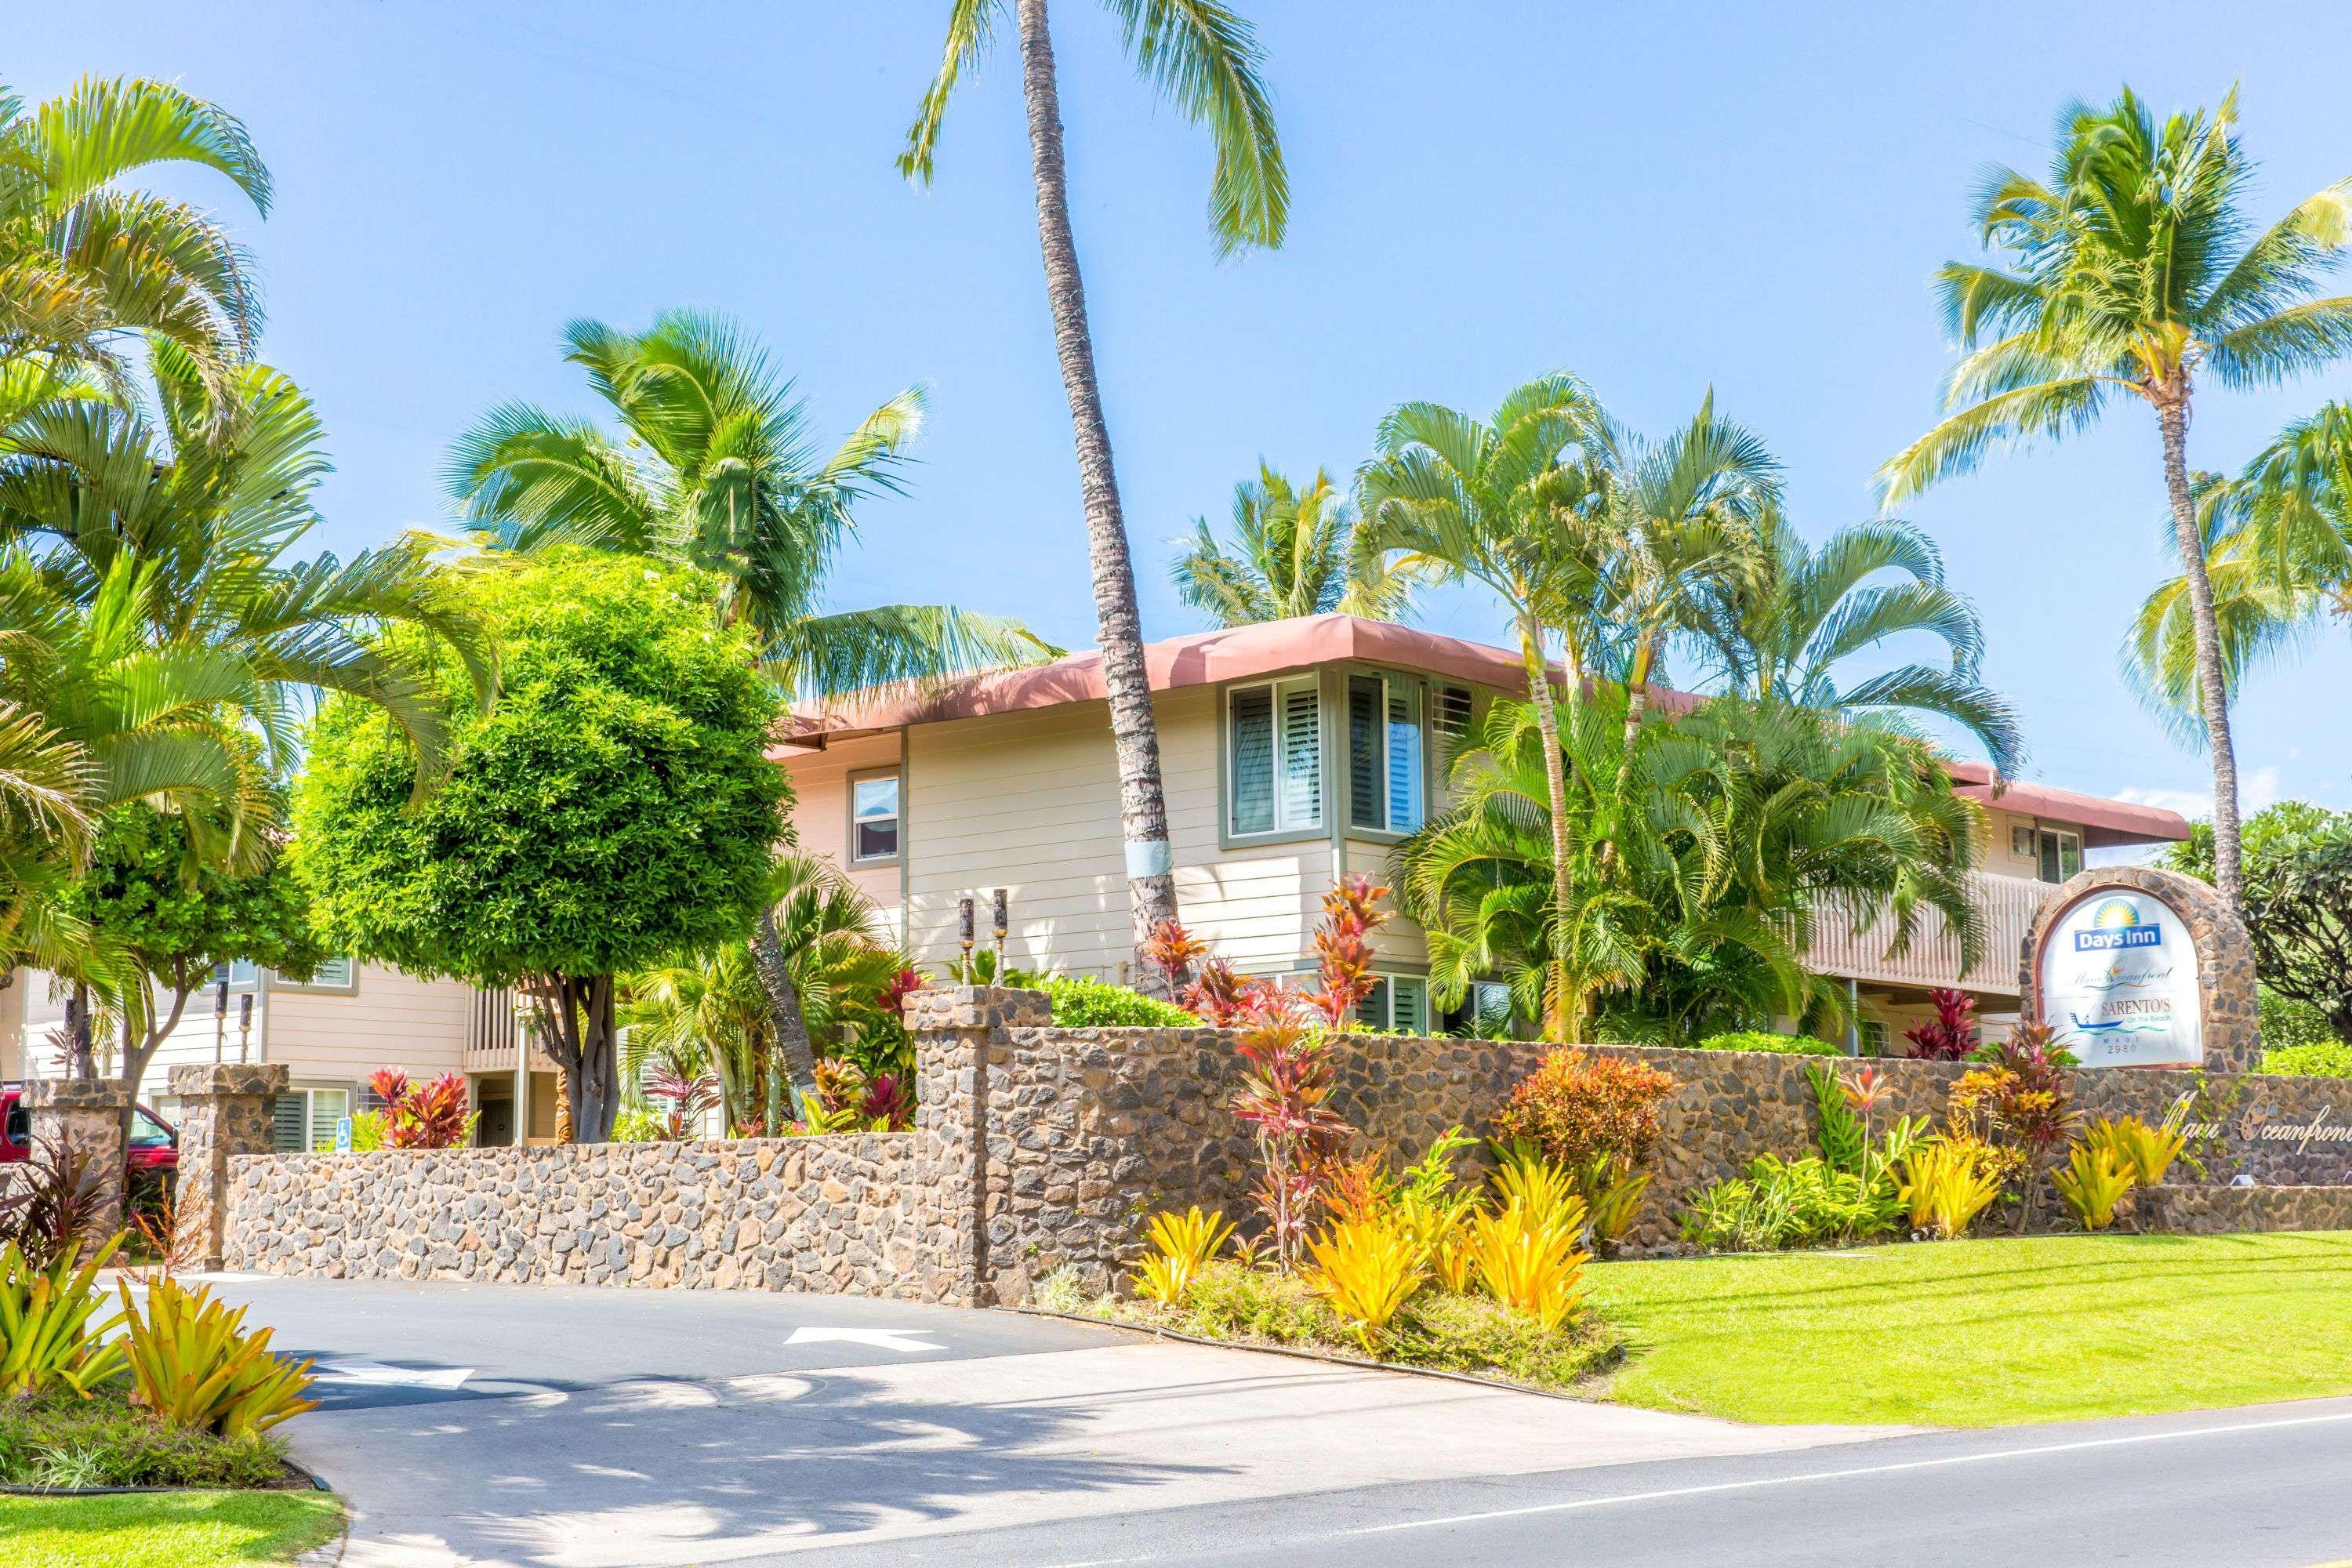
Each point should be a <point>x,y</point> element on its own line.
<point>1292,754</point>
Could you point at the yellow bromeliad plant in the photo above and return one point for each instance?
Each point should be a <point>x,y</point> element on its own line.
<point>192,1361</point>
<point>1530,1261</point>
<point>46,1338</point>
<point>1947,1182</point>
<point>2093,1183</point>
<point>1547,1196</point>
<point>1183,1245</point>
<point>2146,1152</point>
<point>1367,1270</point>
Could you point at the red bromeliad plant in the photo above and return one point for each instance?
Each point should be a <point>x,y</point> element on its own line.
<point>887,1105</point>
<point>1343,952</point>
<point>892,999</point>
<point>1226,999</point>
<point>1953,1034</point>
<point>1287,1081</point>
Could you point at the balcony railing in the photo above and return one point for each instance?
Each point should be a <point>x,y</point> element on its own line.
<point>491,1036</point>
<point>1934,956</point>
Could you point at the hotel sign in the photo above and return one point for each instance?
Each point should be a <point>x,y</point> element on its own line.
<point>2118,984</point>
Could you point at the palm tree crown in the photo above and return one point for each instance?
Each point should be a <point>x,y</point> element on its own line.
<point>1291,553</point>
<point>717,468</point>
<point>2131,273</point>
<point>1781,632</point>
<point>88,266</point>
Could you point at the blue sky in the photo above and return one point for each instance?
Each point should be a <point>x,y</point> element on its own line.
<point>1658,199</point>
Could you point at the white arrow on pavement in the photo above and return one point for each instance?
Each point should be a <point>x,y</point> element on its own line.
<point>902,1340</point>
<point>373,1371</point>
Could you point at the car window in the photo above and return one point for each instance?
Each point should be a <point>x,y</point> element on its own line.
<point>146,1132</point>
<point>20,1124</point>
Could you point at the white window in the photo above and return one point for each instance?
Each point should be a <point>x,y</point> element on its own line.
<point>241,973</point>
<point>1274,745</point>
<point>1384,753</point>
<point>1399,1002</point>
<point>2061,853</point>
<point>874,817</point>
<point>1870,1035</point>
<point>1449,711</point>
<point>306,1118</point>
<point>332,974</point>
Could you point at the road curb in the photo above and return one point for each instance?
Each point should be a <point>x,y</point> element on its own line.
<point>1296,1352</point>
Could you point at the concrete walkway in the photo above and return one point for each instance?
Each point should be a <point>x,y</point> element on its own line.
<point>615,1428</point>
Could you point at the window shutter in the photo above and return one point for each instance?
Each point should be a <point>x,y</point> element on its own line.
<point>1405,760</point>
<point>1252,739</point>
<point>1451,711</point>
<point>1302,757</point>
<point>1411,1009</point>
<point>1372,1012</point>
<point>333,972</point>
<point>1365,803</point>
<point>289,1119</point>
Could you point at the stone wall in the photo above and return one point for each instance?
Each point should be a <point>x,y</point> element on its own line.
<point>783,1213</point>
<point>1090,1130</point>
<point>1036,1147</point>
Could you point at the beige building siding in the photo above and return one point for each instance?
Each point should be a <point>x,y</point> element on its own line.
<point>1029,802</point>
<point>820,815</point>
<point>326,1036</point>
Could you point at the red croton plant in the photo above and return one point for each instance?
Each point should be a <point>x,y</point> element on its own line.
<point>1287,1071</point>
<point>1952,1033</point>
<point>422,1116</point>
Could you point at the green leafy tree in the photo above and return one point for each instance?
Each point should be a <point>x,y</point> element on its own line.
<point>1511,504</point>
<point>1202,60</point>
<point>1290,552</point>
<point>151,898</point>
<point>2298,901</point>
<point>1698,867</point>
<point>1779,631</point>
<point>716,468</point>
<point>614,808</point>
<point>90,267</point>
<point>2131,273</point>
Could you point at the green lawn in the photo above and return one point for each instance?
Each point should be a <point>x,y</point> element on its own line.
<point>165,1529</point>
<point>1977,1333</point>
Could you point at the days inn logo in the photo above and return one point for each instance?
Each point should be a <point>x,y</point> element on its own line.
<point>2114,925</point>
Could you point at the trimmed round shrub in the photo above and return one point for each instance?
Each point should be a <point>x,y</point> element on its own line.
<point>1766,1040</point>
<point>1579,1108</point>
<point>1097,1005</point>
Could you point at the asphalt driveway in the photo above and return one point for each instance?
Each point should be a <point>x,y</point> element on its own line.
<point>599,1429</point>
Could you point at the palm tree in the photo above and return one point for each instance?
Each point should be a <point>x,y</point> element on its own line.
<point>1702,853</point>
<point>154,620</point>
<point>2278,556</point>
<point>1680,516</point>
<point>2129,277</point>
<point>86,266</point>
<point>717,468</point>
<point>1204,60</point>
<point>1779,632</point>
<point>1293,553</point>
<point>1514,505</point>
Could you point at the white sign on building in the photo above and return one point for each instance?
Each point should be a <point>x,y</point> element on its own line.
<point>2118,983</point>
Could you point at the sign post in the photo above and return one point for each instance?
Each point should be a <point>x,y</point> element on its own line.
<point>2131,966</point>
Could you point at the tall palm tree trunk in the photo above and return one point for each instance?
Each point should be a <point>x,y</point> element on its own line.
<point>795,1055</point>
<point>2213,690</point>
<point>1142,805</point>
<point>1556,782</point>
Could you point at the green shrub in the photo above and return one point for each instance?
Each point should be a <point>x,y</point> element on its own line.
<point>1788,1203</point>
<point>1766,1040</point>
<point>2331,1059</point>
<point>2288,1023</point>
<point>1097,1005</point>
<point>635,1124</point>
<point>109,1442</point>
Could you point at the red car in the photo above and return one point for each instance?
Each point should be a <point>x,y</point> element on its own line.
<point>154,1142</point>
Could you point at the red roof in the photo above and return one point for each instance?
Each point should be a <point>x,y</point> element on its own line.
<point>1208,658</point>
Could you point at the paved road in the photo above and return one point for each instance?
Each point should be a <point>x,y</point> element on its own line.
<point>601,1428</point>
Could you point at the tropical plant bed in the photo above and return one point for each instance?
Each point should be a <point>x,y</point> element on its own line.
<point>1236,1304</point>
<point>1986,1332</point>
<point>167,1530</point>
<point>61,1440</point>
